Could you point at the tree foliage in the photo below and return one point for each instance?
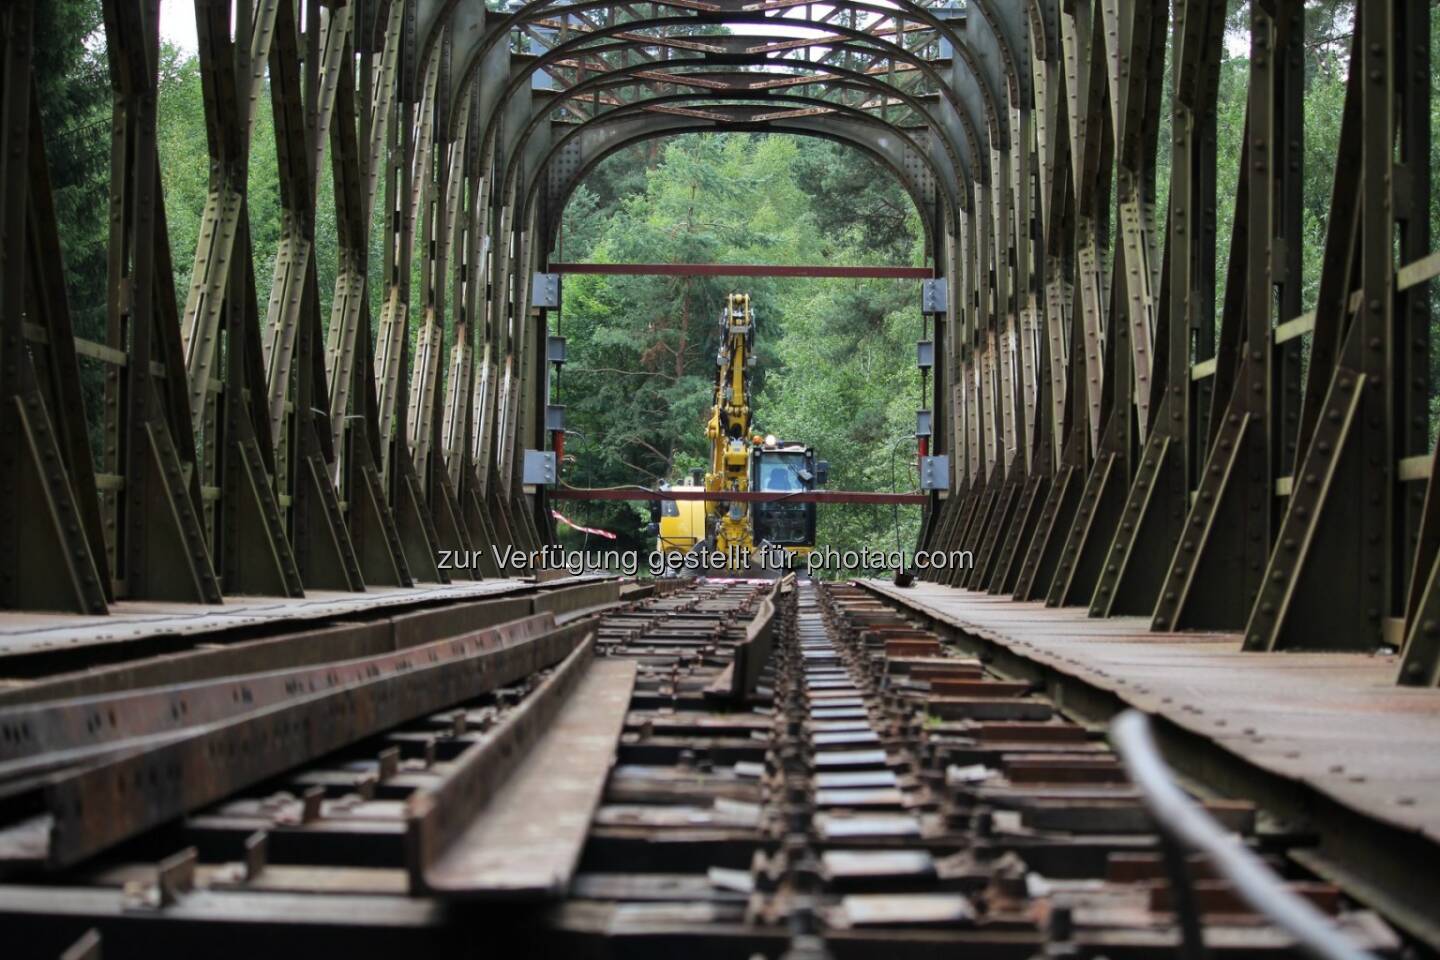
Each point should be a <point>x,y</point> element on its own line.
<point>835,357</point>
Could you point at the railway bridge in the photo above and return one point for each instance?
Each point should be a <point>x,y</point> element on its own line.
<point>245,706</point>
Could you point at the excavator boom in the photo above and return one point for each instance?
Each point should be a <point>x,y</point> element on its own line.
<point>729,427</point>
<point>741,462</point>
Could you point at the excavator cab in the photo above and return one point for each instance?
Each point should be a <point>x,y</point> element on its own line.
<point>785,467</point>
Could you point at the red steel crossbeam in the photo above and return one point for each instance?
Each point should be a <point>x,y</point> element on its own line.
<point>743,270</point>
<point>738,496</point>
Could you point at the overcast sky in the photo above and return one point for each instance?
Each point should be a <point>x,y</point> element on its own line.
<point>177,24</point>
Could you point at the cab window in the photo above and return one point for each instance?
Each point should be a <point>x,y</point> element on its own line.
<point>780,473</point>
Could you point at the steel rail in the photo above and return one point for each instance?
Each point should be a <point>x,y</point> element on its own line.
<point>98,806</point>
<point>752,654</point>
<point>1183,822</point>
<point>437,818</point>
<point>68,732</point>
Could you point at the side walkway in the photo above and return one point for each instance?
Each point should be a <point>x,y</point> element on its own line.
<point>1321,739</point>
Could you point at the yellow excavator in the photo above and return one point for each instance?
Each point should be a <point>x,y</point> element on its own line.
<point>740,461</point>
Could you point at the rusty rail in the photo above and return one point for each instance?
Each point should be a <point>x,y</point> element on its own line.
<point>437,817</point>
<point>98,806</point>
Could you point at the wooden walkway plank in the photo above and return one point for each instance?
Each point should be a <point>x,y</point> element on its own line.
<point>1334,721</point>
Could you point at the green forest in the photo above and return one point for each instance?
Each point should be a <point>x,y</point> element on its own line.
<point>836,357</point>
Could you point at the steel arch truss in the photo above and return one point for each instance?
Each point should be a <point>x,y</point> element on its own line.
<point>1117,438</point>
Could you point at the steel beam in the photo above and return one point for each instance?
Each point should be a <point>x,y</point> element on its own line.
<point>743,270</point>
<point>741,496</point>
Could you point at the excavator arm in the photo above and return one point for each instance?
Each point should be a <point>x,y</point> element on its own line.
<point>729,427</point>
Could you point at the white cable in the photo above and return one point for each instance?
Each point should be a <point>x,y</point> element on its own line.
<point>1255,882</point>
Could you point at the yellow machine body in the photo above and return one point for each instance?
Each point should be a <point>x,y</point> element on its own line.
<point>682,523</point>
<point>741,461</point>
<point>729,429</point>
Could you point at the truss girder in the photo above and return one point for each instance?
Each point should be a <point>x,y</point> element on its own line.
<point>1117,436</point>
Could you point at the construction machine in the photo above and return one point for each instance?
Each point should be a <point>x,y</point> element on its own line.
<point>742,460</point>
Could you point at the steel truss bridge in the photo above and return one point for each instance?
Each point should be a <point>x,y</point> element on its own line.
<point>1109,445</point>
<point>1127,455</point>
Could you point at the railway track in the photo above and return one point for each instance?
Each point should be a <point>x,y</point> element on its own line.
<point>722,768</point>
